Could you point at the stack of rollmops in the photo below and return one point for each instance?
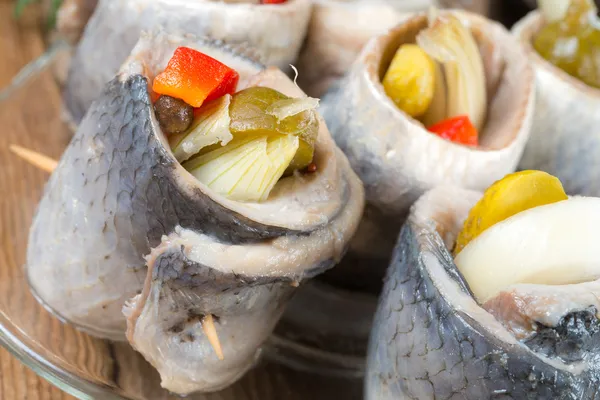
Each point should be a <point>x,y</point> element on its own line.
<point>210,213</point>
<point>441,99</point>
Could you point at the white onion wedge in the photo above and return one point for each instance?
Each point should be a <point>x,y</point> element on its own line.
<point>248,168</point>
<point>451,43</point>
<point>288,107</point>
<point>210,126</point>
<point>554,244</point>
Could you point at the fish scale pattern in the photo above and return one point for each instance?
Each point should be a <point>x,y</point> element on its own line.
<point>425,347</point>
<point>200,290</point>
<point>114,194</point>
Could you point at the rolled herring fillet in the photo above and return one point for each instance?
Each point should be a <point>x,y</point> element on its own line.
<point>122,223</point>
<point>565,134</point>
<point>397,158</point>
<point>431,339</point>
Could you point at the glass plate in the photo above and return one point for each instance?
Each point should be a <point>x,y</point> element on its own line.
<point>31,116</point>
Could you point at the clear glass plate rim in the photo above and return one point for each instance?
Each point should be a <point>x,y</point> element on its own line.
<point>45,368</point>
<point>33,69</point>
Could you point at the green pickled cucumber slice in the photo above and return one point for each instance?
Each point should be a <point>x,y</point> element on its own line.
<point>573,42</point>
<point>254,111</point>
<point>305,125</point>
<point>248,111</point>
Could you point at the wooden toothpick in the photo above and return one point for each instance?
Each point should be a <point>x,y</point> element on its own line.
<point>36,159</point>
<point>48,164</point>
<point>208,325</point>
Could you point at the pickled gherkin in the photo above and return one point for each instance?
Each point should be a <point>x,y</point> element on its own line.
<point>248,112</point>
<point>410,80</point>
<point>510,195</point>
<point>572,43</point>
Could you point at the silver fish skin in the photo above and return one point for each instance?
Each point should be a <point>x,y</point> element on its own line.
<point>431,340</point>
<point>275,31</point>
<point>118,192</point>
<point>165,322</point>
<point>564,137</point>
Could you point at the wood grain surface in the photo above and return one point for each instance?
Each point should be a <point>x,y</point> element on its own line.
<point>20,42</point>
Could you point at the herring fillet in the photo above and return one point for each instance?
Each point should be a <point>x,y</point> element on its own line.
<point>126,241</point>
<point>110,200</point>
<point>397,158</point>
<point>115,26</point>
<point>166,326</point>
<point>431,340</point>
<point>564,138</point>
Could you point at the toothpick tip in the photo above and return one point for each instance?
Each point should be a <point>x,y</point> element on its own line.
<point>36,159</point>
<point>208,325</point>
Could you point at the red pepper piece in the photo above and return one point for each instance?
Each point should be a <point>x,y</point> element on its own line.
<point>227,86</point>
<point>195,78</point>
<point>272,1</point>
<point>458,130</point>
<point>154,96</point>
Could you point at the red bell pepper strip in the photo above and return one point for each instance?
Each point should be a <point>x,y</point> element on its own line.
<point>458,130</point>
<point>272,1</point>
<point>154,96</point>
<point>195,78</point>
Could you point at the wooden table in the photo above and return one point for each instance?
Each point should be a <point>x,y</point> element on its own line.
<point>20,42</point>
